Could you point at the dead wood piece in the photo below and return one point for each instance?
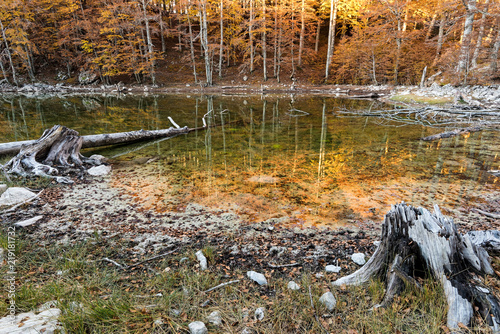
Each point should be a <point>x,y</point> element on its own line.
<point>453,133</point>
<point>221,285</point>
<point>276,266</point>
<point>414,242</point>
<point>488,214</point>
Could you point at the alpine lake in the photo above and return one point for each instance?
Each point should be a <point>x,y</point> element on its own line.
<point>272,156</point>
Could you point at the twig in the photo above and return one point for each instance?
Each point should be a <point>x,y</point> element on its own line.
<point>487,214</point>
<point>150,259</point>
<point>26,201</point>
<point>113,262</point>
<point>173,123</point>
<point>270,265</point>
<point>221,285</point>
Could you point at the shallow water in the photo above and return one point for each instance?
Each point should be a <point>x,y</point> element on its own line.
<point>273,156</point>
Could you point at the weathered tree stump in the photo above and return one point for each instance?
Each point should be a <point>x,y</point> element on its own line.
<point>415,242</point>
<point>59,148</point>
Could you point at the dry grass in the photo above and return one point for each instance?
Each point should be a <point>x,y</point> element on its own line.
<point>97,297</point>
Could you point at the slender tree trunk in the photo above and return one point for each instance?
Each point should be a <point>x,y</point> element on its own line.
<point>204,42</point>
<point>3,71</point>
<point>9,56</point>
<point>264,40</point>
<point>193,59</point>
<point>275,62</point>
<point>331,37</point>
<point>431,27</point>
<point>292,42</point>
<point>148,39</point>
<point>221,46</point>
<point>302,31</point>
<point>494,50</point>
<point>442,24</point>
<point>480,35</point>
<point>250,34</point>
<point>318,30</point>
<point>463,61</point>
<point>162,32</point>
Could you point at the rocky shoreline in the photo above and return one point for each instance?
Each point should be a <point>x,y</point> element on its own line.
<point>476,96</point>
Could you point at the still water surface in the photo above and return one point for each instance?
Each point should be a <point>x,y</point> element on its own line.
<point>273,156</point>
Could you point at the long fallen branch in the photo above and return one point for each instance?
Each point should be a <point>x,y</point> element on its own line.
<point>221,285</point>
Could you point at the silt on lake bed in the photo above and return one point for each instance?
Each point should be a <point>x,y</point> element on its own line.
<point>273,156</point>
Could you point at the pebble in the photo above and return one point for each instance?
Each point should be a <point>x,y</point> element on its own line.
<point>358,258</point>
<point>257,277</point>
<point>15,195</point>
<point>197,327</point>
<point>99,170</point>
<point>332,269</point>
<point>202,259</point>
<point>293,286</point>
<point>259,314</point>
<point>328,300</point>
<point>214,318</point>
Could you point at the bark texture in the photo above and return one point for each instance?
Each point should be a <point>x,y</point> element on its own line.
<point>414,242</point>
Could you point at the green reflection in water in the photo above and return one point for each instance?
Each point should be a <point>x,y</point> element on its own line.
<point>273,156</point>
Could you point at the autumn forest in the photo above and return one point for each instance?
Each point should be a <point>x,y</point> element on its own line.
<point>325,41</point>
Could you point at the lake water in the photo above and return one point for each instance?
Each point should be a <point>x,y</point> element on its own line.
<point>273,156</point>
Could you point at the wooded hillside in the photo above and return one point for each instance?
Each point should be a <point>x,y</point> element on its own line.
<point>336,41</point>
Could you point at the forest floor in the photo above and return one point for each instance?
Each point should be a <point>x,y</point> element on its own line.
<point>133,270</point>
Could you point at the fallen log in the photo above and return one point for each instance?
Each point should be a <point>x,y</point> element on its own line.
<point>104,139</point>
<point>59,148</point>
<point>453,133</point>
<point>415,242</point>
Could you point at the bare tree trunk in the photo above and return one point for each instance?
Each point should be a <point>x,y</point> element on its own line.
<point>148,40</point>
<point>302,31</point>
<point>9,56</point>
<point>494,51</point>
<point>331,37</point>
<point>162,32</point>
<point>264,40</point>
<point>221,46</point>
<point>480,35</point>
<point>463,62</point>
<point>318,30</point>
<point>442,24</point>
<point>193,59</point>
<point>204,42</point>
<point>431,26</point>
<point>250,35</point>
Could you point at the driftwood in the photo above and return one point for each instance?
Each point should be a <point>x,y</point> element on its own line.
<point>414,241</point>
<point>59,148</point>
<point>453,133</point>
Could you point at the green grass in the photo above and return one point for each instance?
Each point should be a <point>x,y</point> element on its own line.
<point>412,98</point>
<point>97,297</point>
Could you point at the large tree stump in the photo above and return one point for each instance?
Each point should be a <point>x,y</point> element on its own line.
<point>415,242</point>
<point>59,148</point>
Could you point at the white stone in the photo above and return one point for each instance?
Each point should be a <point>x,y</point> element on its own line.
<point>202,259</point>
<point>197,327</point>
<point>30,323</point>
<point>215,318</point>
<point>3,187</point>
<point>257,277</point>
<point>99,170</point>
<point>28,222</point>
<point>245,78</point>
<point>332,269</point>
<point>259,314</point>
<point>158,322</point>
<point>175,313</point>
<point>293,286</point>
<point>15,195</point>
<point>358,258</point>
<point>328,300</point>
